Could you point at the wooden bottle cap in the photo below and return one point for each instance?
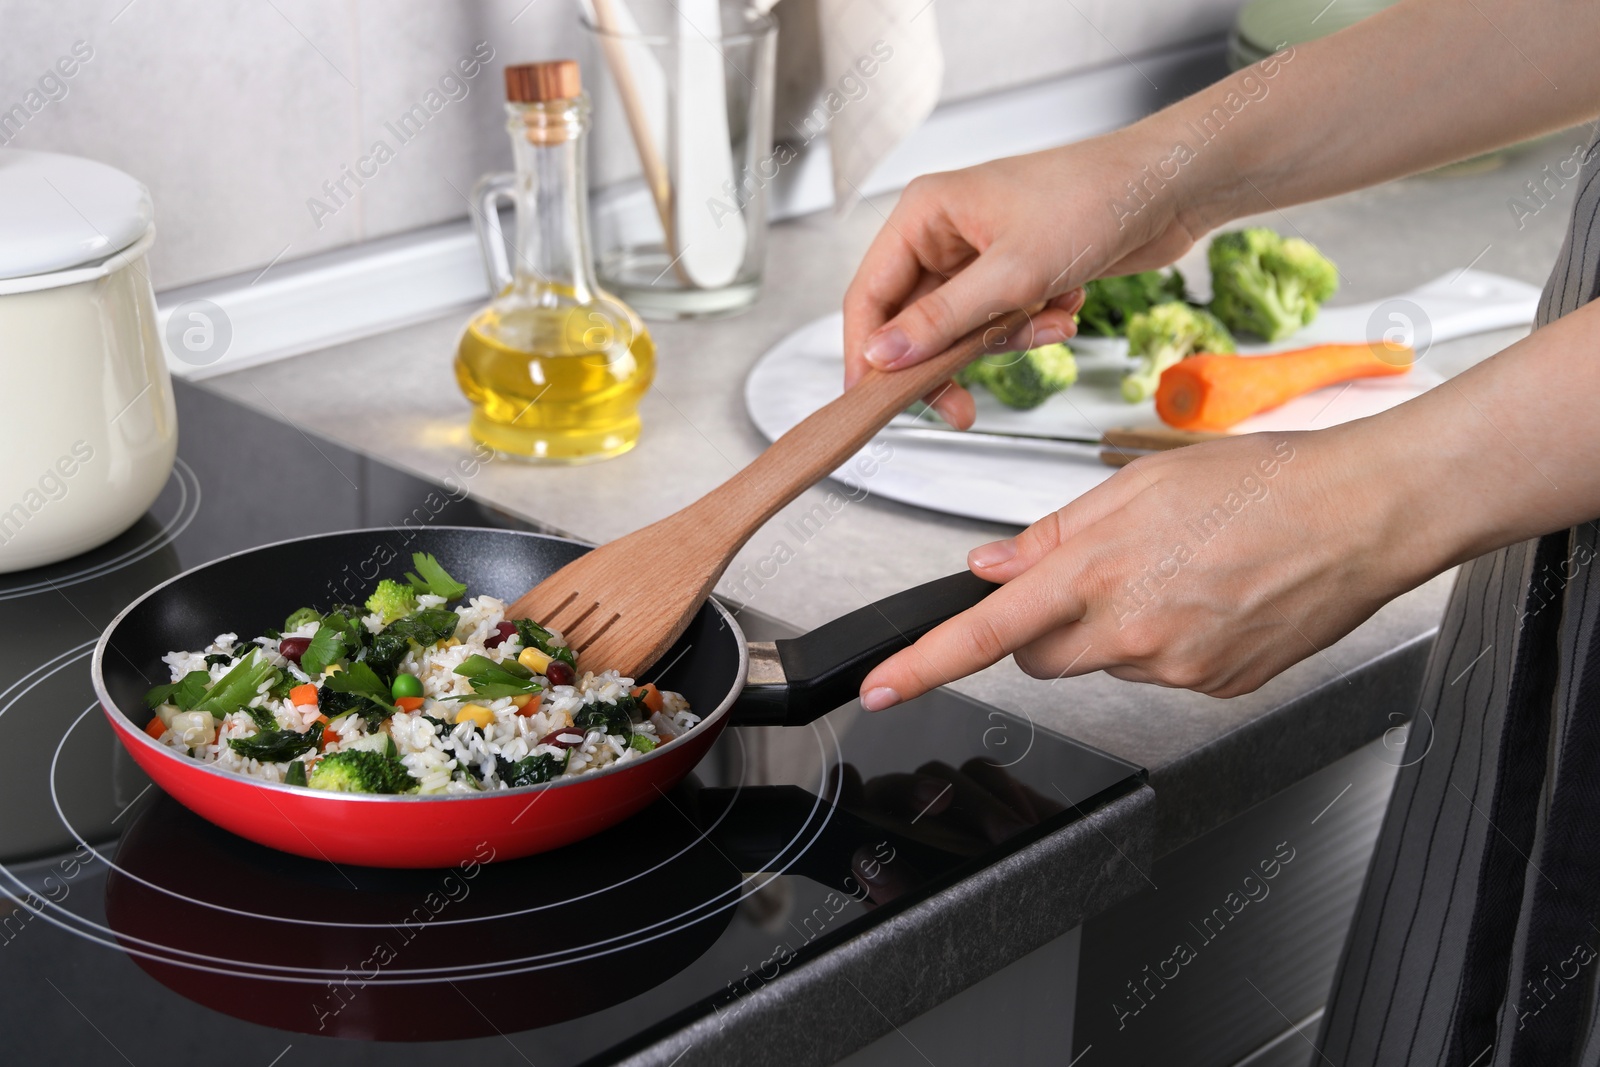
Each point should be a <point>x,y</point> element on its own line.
<point>535,83</point>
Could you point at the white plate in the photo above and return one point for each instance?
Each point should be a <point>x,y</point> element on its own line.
<point>805,371</point>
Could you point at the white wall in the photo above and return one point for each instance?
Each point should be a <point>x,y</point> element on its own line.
<point>235,113</point>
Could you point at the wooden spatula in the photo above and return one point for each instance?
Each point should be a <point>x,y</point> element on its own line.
<point>622,605</point>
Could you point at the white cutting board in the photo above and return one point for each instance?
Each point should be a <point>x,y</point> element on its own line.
<point>804,371</point>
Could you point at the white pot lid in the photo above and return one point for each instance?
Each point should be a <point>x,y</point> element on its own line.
<point>59,212</point>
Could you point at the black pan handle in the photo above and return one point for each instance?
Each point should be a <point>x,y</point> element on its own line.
<point>819,671</point>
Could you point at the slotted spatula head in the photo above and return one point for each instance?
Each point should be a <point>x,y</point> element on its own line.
<point>622,605</point>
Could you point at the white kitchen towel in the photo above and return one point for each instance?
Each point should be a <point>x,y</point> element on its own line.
<point>882,69</point>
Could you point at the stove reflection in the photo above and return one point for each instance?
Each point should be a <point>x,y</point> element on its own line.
<point>501,947</point>
<point>415,955</point>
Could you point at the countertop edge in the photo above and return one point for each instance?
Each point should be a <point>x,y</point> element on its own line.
<point>916,960</point>
<point>1232,773</point>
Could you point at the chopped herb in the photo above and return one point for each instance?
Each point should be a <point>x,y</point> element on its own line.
<point>390,646</point>
<point>277,746</point>
<point>530,771</point>
<point>263,718</point>
<point>219,658</point>
<point>347,620</point>
<point>334,704</point>
<point>642,743</point>
<point>532,635</point>
<point>611,718</point>
<point>296,774</point>
<point>384,655</point>
<point>358,679</point>
<point>426,627</point>
<point>186,692</point>
<point>433,578</point>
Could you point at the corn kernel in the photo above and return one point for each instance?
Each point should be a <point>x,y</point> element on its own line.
<point>453,642</point>
<point>522,701</point>
<point>475,713</point>
<point>534,660</point>
<point>332,668</point>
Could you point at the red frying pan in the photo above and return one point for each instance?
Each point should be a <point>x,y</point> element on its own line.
<point>723,676</point>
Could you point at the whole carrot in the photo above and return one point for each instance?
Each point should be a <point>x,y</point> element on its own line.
<point>1217,392</point>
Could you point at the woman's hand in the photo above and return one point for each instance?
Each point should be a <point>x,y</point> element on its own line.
<point>1211,567</point>
<point>963,246</point>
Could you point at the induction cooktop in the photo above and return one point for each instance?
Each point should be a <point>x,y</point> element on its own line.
<point>131,931</point>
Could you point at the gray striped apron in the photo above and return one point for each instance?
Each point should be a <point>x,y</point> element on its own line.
<point>1475,943</point>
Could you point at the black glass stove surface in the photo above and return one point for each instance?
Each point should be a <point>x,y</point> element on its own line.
<point>133,931</point>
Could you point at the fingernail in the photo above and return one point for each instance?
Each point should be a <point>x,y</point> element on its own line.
<point>992,554</point>
<point>1048,335</point>
<point>879,698</point>
<point>887,347</point>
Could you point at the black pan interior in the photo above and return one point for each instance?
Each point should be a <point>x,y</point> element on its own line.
<point>254,591</point>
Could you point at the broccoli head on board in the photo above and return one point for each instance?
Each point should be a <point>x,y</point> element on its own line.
<point>1268,285</point>
<point>1023,380</point>
<point>1163,336</point>
<point>1108,303</point>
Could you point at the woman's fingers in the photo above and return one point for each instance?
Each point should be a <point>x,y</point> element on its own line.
<point>910,257</point>
<point>967,300</point>
<point>1020,612</point>
<point>954,405</point>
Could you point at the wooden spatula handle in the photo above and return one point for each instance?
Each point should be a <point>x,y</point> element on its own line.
<point>817,446</point>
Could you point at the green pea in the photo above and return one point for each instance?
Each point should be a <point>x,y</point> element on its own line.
<point>406,685</point>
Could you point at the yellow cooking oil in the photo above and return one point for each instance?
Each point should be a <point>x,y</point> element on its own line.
<point>554,381</point>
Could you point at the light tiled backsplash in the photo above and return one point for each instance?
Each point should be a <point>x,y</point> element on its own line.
<point>236,114</point>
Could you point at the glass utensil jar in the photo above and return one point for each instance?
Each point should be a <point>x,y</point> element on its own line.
<point>554,367</point>
<point>683,167</point>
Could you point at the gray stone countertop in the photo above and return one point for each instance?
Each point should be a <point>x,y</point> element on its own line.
<point>394,396</point>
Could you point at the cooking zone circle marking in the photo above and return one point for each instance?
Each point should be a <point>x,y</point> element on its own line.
<point>43,671</point>
<point>90,931</point>
<point>187,507</point>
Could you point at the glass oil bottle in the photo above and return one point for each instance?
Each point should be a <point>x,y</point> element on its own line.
<point>554,367</point>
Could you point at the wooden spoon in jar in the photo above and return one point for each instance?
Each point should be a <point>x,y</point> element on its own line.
<point>621,606</point>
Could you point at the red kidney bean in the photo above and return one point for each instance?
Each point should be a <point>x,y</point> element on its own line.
<point>502,631</point>
<point>560,673</point>
<point>567,737</point>
<point>292,648</point>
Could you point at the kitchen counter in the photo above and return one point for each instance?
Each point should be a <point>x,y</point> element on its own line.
<point>394,396</point>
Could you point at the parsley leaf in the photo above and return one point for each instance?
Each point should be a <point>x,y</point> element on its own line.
<point>360,680</point>
<point>433,578</point>
<point>327,647</point>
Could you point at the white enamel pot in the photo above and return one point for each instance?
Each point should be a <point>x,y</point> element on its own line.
<point>88,432</point>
